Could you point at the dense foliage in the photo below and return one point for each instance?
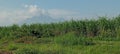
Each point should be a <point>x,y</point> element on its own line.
<point>105,27</point>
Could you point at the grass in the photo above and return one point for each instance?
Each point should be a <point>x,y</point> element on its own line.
<point>100,36</point>
<point>67,44</point>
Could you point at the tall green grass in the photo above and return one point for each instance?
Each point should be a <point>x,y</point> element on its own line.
<point>103,27</point>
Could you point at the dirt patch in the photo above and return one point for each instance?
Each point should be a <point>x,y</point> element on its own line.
<point>6,52</point>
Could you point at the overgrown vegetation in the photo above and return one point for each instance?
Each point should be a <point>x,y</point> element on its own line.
<point>101,36</point>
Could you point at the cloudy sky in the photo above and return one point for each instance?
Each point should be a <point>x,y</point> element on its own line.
<point>28,11</point>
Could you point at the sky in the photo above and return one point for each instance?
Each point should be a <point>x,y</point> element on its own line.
<point>34,11</point>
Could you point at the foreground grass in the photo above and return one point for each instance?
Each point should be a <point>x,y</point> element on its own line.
<point>65,44</point>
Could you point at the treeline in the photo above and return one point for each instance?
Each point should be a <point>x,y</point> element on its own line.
<point>105,27</point>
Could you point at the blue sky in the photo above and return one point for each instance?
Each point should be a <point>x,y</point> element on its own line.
<point>16,11</point>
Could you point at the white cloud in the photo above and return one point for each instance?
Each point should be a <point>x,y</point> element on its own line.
<point>57,13</point>
<point>30,11</point>
<point>32,8</point>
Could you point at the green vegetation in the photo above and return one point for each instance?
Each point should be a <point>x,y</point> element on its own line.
<point>100,36</point>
